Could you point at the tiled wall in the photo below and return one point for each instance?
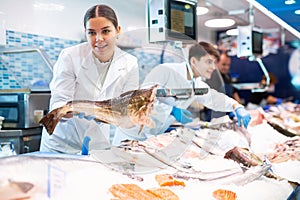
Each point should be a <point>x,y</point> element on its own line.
<point>23,70</point>
<point>20,70</point>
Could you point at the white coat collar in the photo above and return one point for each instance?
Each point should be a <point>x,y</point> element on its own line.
<point>116,68</point>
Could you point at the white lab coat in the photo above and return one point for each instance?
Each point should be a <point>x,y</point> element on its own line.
<point>160,115</point>
<point>174,76</point>
<point>75,77</point>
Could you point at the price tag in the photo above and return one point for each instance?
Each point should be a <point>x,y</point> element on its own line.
<point>56,180</point>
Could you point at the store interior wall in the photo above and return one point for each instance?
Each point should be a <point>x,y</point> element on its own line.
<point>26,25</point>
<point>23,16</point>
<point>277,64</point>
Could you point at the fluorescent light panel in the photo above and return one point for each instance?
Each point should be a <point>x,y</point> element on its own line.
<point>202,10</point>
<point>219,23</point>
<point>48,6</point>
<point>289,2</point>
<point>233,31</point>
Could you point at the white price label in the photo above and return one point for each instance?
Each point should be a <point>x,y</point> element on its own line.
<point>56,180</point>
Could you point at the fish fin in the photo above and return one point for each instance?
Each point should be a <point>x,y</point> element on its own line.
<point>99,120</point>
<point>71,114</point>
<point>141,128</point>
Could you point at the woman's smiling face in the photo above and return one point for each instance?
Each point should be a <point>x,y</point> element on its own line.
<point>101,34</point>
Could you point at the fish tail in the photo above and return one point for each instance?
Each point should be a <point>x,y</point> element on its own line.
<point>50,120</point>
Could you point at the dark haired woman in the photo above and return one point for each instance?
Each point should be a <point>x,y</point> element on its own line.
<point>95,70</point>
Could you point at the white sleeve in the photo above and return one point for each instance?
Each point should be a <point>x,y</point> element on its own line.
<point>158,75</point>
<point>62,84</point>
<point>160,115</point>
<point>215,100</point>
<point>132,75</point>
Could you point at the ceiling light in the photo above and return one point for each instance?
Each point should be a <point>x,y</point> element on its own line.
<point>297,12</point>
<point>233,31</point>
<point>219,23</point>
<point>48,6</point>
<point>289,2</point>
<point>202,10</point>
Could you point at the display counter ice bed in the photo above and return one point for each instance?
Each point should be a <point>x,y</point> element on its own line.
<point>102,173</point>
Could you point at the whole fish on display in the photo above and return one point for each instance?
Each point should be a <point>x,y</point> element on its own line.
<point>129,109</point>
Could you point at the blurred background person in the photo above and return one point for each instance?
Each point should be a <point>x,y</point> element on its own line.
<point>261,99</point>
<point>224,67</point>
<point>221,81</point>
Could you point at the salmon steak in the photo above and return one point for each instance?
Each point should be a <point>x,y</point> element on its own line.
<point>134,192</point>
<point>163,193</point>
<point>129,109</point>
<point>168,180</point>
<point>222,194</point>
<point>131,192</point>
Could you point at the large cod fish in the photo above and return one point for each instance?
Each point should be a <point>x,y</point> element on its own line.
<point>129,109</point>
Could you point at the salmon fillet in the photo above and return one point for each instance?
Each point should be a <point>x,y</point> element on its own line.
<point>168,180</point>
<point>163,193</point>
<point>131,192</point>
<point>222,194</point>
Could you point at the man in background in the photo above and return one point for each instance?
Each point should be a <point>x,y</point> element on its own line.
<point>224,68</point>
<point>221,81</point>
<point>264,98</point>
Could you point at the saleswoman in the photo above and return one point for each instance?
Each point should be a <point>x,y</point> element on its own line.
<point>94,70</point>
